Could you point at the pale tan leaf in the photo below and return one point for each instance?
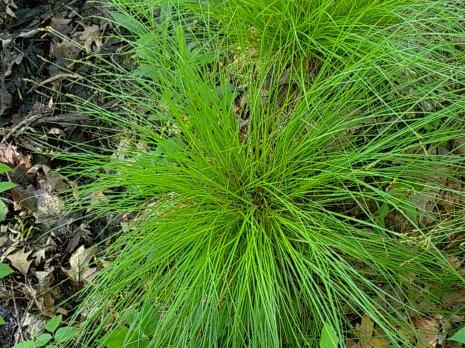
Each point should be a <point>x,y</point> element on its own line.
<point>79,270</point>
<point>19,260</point>
<point>365,331</point>
<point>428,332</point>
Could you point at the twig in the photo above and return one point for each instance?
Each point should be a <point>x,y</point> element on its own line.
<point>23,124</point>
<point>58,77</point>
<point>25,35</point>
<point>20,328</point>
<point>62,118</point>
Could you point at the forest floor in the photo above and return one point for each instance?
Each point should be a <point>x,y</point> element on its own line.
<point>47,249</point>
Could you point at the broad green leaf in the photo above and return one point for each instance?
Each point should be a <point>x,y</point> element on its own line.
<point>2,321</point>
<point>53,323</point>
<point>129,22</point>
<point>25,344</point>
<point>459,336</point>
<point>3,211</point>
<point>43,339</point>
<point>383,211</point>
<point>5,270</point>
<point>149,319</point>
<point>5,186</point>
<point>65,333</point>
<point>137,339</point>
<point>142,343</point>
<point>131,316</point>
<point>115,339</point>
<point>328,337</point>
<point>4,168</point>
<point>145,70</point>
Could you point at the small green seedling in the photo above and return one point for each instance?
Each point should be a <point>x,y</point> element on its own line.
<point>5,270</point>
<point>328,337</point>
<point>57,335</point>
<point>459,336</point>
<point>4,186</point>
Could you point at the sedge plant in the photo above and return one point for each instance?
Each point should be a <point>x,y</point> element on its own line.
<point>260,211</point>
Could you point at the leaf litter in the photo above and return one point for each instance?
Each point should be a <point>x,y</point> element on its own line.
<point>51,252</point>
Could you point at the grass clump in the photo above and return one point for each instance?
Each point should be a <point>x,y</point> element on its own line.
<point>302,28</point>
<point>340,30</point>
<point>263,212</point>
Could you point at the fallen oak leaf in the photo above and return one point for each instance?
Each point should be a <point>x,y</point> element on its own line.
<point>24,199</point>
<point>89,37</point>
<point>19,260</point>
<point>56,181</point>
<point>60,23</point>
<point>457,297</point>
<point>40,254</point>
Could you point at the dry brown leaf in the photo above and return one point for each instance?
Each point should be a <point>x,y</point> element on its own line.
<point>32,324</point>
<point>350,343</point>
<point>10,155</point>
<point>455,298</point>
<point>55,180</point>
<point>454,261</point>
<point>10,66</point>
<point>40,255</point>
<point>43,300</point>
<point>24,198</point>
<point>19,260</point>
<point>45,279</point>
<point>60,23</point>
<point>379,343</point>
<point>88,32</point>
<point>90,36</point>
<point>49,206</point>
<point>365,331</point>
<point>64,49</point>
<point>428,332</point>
<point>79,270</point>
